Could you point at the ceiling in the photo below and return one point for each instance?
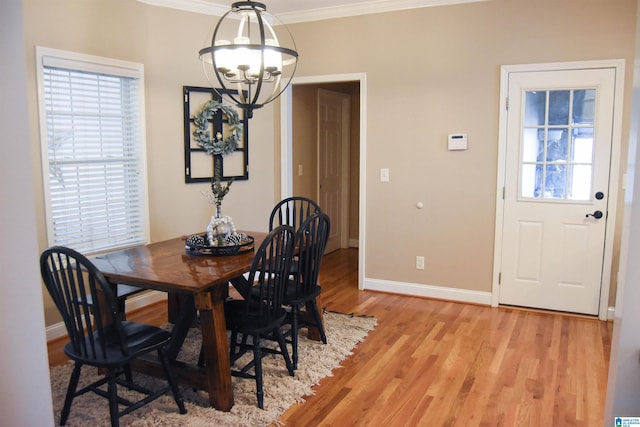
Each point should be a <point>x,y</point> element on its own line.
<point>290,11</point>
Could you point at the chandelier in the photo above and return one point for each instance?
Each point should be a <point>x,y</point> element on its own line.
<point>249,62</point>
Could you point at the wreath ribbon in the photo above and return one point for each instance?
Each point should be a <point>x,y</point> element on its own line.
<point>215,145</point>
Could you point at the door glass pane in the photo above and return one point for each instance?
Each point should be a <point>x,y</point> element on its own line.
<point>555,176</point>
<point>530,181</point>
<point>559,107</point>
<point>557,147</point>
<point>584,103</point>
<point>580,185</point>
<point>582,145</point>
<point>533,145</point>
<point>535,107</point>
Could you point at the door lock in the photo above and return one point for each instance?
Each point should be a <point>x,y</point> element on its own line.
<point>596,215</point>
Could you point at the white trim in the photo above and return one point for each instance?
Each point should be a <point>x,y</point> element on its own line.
<point>58,330</point>
<point>315,14</point>
<point>429,291</point>
<point>362,8</point>
<point>618,65</point>
<point>197,6</point>
<point>286,143</point>
<point>354,243</point>
<point>502,146</point>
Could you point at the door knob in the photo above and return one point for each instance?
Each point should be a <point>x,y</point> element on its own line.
<point>596,215</point>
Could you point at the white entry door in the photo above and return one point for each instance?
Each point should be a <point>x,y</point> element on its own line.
<point>556,191</point>
<point>333,163</point>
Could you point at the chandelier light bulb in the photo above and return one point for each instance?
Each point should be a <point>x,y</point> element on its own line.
<point>272,59</point>
<point>223,57</point>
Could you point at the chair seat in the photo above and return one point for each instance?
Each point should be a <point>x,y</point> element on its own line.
<point>139,337</point>
<point>291,296</point>
<point>249,323</point>
<point>291,293</point>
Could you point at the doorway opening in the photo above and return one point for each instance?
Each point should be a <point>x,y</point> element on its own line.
<point>303,156</point>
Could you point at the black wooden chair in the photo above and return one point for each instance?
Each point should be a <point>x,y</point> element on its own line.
<point>98,337</point>
<point>302,290</point>
<point>262,315</point>
<point>292,211</point>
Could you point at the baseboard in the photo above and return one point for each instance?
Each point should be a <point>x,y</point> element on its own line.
<point>138,301</point>
<point>428,291</point>
<point>439,292</point>
<point>354,243</point>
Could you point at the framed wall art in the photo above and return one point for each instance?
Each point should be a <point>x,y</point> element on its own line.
<point>199,163</point>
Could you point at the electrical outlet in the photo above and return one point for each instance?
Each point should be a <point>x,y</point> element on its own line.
<point>420,263</point>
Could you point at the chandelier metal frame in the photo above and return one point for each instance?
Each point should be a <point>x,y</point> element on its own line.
<point>253,68</point>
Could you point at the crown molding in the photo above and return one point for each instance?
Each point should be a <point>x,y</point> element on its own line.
<point>364,8</point>
<point>317,14</point>
<point>197,6</point>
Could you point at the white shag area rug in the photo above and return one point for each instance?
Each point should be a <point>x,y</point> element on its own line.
<point>316,361</point>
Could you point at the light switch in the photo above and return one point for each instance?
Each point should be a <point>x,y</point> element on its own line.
<point>384,175</point>
<point>300,169</point>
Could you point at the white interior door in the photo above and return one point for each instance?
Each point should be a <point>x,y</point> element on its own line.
<point>333,163</point>
<point>558,153</point>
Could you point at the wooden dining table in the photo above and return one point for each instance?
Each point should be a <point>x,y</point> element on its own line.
<point>202,282</point>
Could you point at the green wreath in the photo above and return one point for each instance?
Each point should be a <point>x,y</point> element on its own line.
<point>216,145</point>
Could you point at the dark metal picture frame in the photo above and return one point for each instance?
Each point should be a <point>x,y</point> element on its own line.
<point>198,165</point>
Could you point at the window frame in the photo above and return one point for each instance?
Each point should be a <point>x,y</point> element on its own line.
<point>98,65</point>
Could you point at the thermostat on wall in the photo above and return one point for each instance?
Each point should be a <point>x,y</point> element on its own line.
<point>457,141</point>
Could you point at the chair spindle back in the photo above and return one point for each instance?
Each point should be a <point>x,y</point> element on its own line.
<point>292,211</point>
<point>74,283</point>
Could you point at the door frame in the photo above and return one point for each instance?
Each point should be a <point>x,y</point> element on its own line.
<point>614,171</point>
<point>286,150</point>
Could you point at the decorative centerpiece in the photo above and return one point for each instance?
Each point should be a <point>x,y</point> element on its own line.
<point>235,244</point>
<point>220,227</point>
<point>221,237</point>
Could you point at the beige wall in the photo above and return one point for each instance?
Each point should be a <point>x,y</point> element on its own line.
<point>434,71</point>
<point>430,72</point>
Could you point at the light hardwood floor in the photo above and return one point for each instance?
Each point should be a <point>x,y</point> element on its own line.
<point>438,363</point>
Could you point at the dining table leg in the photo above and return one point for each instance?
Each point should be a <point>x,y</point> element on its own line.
<point>183,320</point>
<point>216,350</point>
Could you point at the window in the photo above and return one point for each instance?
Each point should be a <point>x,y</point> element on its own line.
<point>93,150</point>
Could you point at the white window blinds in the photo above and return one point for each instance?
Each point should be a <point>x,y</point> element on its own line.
<point>93,155</point>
